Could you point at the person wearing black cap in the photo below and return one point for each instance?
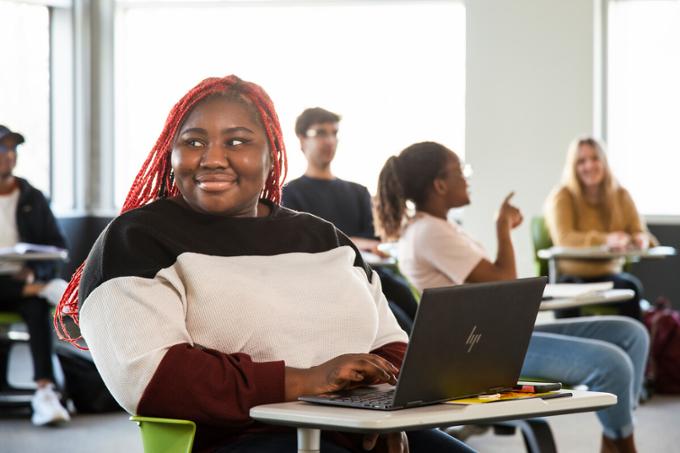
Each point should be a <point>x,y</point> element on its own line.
<point>27,288</point>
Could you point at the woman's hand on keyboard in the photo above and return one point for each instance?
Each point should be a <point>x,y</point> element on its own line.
<point>344,372</point>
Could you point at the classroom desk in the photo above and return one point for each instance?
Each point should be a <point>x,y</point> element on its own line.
<point>598,253</point>
<point>374,260</point>
<point>61,255</point>
<point>595,298</point>
<point>310,419</point>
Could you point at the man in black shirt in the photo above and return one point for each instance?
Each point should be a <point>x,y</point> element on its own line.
<point>344,203</point>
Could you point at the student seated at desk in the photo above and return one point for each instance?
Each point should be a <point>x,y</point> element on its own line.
<point>26,287</point>
<point>345,204</point>
<point>607,354</point>
<point>205,297</point>
<point>591,208</point>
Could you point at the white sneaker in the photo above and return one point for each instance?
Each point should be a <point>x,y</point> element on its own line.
<point>47,409</point>
<point>53,290</point>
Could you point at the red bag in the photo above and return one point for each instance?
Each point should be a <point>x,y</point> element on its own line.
<point>663,367</point>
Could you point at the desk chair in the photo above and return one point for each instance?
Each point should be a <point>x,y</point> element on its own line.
<point>540,239</point>
<point>10,396</point>
<point>170,435</point>
<point>18,397</point>
<point>165,435</point>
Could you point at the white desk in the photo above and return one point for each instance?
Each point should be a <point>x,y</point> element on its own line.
<point>376,260</point>
<point>24,251</point>
<point>310,419</point>
<point>595,298</point>
<point>35,256</point>
<point>598,253</point>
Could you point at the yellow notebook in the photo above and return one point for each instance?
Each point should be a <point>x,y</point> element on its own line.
<point>507,396</point>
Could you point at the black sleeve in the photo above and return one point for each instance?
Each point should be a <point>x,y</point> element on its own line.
<point>52,234</point>
<point>92,272</point>
<point>48,234</point>
<point>366,214</point>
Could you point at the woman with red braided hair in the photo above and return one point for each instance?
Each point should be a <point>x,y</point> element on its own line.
<point>205,298</point>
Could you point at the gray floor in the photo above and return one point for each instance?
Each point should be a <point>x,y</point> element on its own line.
<point>658,429</point>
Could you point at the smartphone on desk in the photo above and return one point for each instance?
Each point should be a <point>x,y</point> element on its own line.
<point>536,387</point>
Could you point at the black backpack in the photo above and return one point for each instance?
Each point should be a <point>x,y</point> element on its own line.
<point>84,385</point>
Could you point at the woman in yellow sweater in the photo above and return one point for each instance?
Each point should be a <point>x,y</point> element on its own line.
<point>591,208</point>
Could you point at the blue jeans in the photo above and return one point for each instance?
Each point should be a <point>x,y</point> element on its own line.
<point>606,353</point>
<point>425,441</point>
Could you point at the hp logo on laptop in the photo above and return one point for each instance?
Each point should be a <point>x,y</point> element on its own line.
<point>473,338</point>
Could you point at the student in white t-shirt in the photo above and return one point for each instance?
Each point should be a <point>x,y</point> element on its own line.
<point>28,287</point>
<point>605,353</point>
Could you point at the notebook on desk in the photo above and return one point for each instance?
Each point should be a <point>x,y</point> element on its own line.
<point>466,340</point>
<point>25,248</point>
<point>574,290</point>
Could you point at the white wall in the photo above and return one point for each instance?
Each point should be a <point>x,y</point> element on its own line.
<point>529,92</point>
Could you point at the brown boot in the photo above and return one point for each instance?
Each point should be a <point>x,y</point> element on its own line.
<point>624,445</point>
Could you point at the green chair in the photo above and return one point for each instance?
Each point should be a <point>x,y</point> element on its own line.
<point>10,317</point>
<point>540,238</point>
<point>166,435</point>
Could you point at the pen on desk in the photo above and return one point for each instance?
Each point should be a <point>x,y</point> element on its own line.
<point>489,396</point>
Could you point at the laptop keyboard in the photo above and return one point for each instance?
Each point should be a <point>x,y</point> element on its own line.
<point>378,399</point>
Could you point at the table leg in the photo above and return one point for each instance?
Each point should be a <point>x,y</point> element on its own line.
<point>309,440</point>
<point>552,270</point>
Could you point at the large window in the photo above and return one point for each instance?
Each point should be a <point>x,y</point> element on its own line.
<point>644,101</point>
<point>394,71</point>
<point>25,86</point>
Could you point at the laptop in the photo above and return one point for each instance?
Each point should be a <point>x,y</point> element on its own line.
<point>466,340</point>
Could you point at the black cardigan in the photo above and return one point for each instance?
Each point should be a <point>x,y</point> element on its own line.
<point>35,224</point>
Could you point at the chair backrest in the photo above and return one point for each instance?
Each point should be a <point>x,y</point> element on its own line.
<point>8,334</point>
<point>10,317</point>
<point>399,294</point>
<point>166,435</point>
<point>540,238</point>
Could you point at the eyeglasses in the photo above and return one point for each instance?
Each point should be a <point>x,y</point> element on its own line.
<point>6,148</point>
<point>321,133</point>
<point>465,172</point>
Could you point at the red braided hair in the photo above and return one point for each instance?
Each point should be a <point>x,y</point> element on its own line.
<point>154,180</point>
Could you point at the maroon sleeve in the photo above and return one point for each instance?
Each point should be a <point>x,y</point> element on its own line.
<point>210,387</point>
<point>394,352</point>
